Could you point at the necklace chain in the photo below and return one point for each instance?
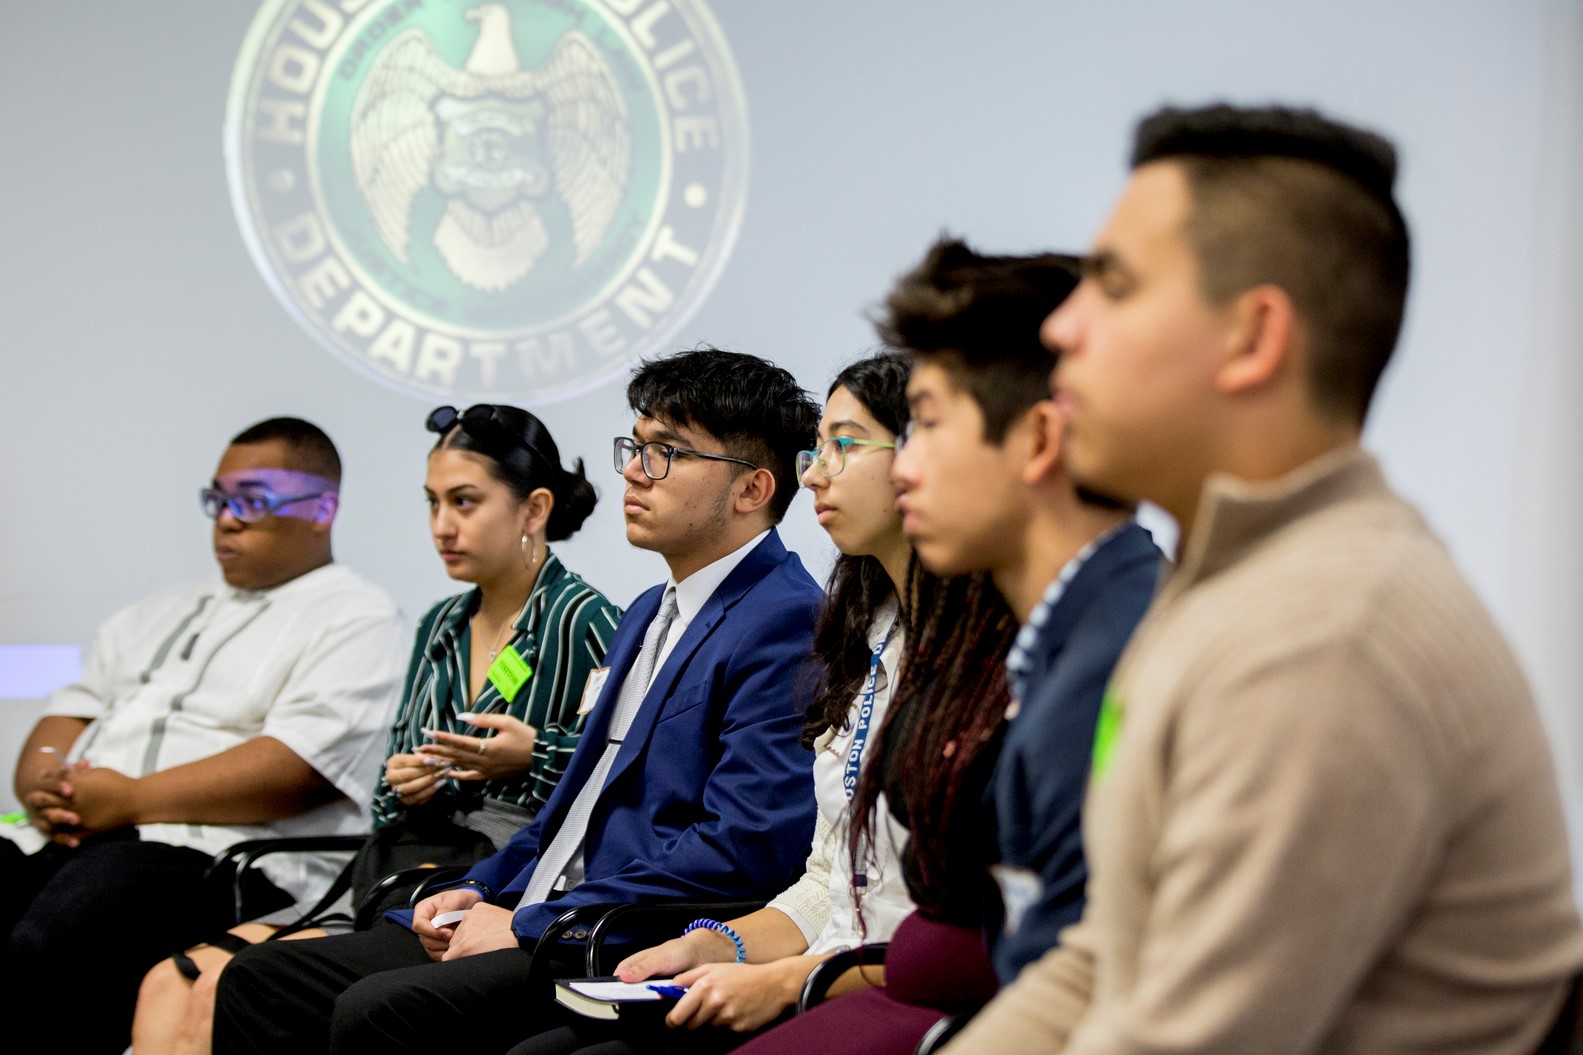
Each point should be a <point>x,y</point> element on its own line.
<point>494,649</point>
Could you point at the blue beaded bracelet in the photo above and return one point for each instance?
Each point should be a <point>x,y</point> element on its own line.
<point>720,928</point>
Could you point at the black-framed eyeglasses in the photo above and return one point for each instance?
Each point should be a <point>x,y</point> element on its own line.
<point>830,456</point>
<point>649,455</point>
<point>249,507</point>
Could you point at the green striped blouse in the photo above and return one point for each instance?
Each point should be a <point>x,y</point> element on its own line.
<point>562,633</point>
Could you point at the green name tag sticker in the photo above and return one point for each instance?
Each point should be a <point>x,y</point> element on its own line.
<point>509,672</point>
<point>1106,733</point>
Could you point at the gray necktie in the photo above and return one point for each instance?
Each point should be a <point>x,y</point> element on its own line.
<point>569,837</point>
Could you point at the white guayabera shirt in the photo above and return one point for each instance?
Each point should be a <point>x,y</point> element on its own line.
<point>315,663</point>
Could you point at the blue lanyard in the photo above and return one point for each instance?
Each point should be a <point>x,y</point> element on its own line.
<point>865,718</point>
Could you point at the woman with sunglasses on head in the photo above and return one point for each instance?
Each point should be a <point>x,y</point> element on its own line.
<point>744,975</point>
<point>491,709</point>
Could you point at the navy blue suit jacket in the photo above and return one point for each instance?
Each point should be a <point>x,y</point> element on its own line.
<point>710,796</point>
<point>1042,773</point>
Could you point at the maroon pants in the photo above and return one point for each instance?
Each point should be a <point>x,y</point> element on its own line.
<point>931,970</point>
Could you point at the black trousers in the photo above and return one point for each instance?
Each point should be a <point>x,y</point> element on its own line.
<point>378,991</point>
<point>91,921</point>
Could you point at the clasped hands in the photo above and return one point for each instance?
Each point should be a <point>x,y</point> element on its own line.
<point>485,928</point>
<point>69,802</point>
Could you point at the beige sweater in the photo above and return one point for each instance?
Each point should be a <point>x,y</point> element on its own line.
<point>1331,821</point>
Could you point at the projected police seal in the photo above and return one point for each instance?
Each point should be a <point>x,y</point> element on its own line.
<point>503,201</point>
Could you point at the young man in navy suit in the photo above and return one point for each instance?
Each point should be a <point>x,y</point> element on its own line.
<point>984,487</point>
<point>688,782</point>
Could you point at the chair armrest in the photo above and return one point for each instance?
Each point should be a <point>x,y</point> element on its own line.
<point>571,925</point>
<point>654,921</point>
<point>592,925</point>
<point>429,876</point>
<point>822,977</point>
<point>941,1032</point>
<point>433,877</point>
<point>240,856</point>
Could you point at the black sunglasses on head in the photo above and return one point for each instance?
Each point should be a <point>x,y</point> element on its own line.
<point>485,415</point>
<point>489,424</point>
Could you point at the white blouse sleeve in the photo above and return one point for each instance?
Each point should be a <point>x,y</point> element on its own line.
<point>807,901</point>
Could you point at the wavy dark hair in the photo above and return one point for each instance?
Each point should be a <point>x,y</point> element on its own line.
<point>756,409</point>
<point>858,586</point>
<point>519,451</point>
<point>939,743</point>
<point>978,317</point>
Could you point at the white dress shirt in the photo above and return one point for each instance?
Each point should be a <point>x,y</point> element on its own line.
<point>693,591</point>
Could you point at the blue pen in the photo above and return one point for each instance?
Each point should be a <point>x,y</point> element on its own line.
<point>675,992</point>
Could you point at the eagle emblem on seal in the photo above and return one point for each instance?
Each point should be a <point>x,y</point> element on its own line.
<point>501,143</point>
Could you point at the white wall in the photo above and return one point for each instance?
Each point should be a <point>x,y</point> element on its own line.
<point>136,335</point>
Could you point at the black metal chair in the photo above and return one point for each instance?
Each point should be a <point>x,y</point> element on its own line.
<point>817,986</point>
<point>609,932</point>
<point>232,863</point>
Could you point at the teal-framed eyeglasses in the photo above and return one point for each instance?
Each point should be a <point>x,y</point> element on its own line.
<point>830,456</point>
<point>249,507</point>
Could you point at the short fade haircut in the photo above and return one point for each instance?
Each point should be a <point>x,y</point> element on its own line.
<point>311,450</point>
<point>757,410</point>
<point>1292,198</point>
<point>978,318</point>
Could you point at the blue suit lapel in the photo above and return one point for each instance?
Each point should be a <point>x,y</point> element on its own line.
<point>759,562</point>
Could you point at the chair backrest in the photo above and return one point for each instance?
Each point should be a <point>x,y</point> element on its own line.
<point>1566,1035</point>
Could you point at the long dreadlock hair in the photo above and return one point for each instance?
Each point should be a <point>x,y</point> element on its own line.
<point>978,317</point>
<point>859,586</point>
<point>940,740</point>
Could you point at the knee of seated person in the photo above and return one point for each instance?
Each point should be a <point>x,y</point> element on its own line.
<point>253,965</point>
<point>361,999</point>
<point>203,989</point>
<point>161,981</point>
<point>359,1014</point>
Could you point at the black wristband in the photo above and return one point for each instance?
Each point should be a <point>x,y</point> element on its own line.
<point>483,888</point>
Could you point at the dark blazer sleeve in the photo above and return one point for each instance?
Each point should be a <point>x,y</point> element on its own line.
<point>1043,775</point>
